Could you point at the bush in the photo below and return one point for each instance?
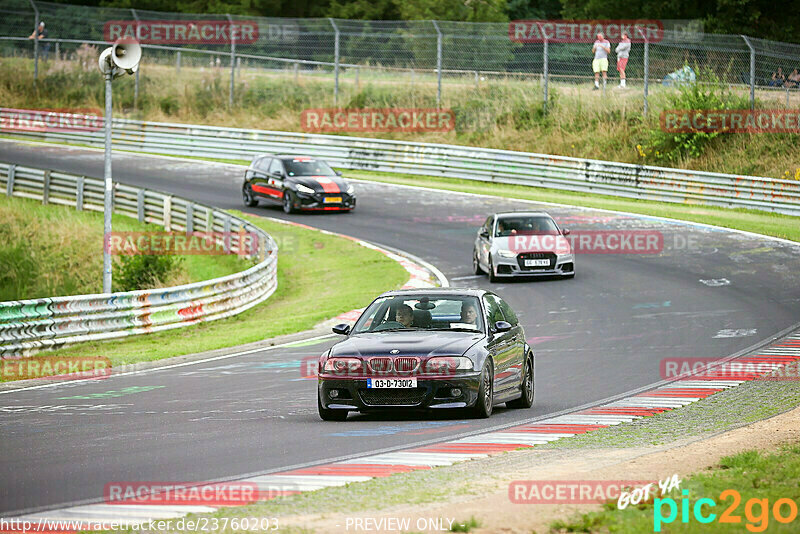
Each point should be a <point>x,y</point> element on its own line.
<point>711,94</point>
<point>143,271</point>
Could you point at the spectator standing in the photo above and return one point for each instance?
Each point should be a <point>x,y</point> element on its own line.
<point>601,49</point>
<point>623,50</point>
<point>793,80</point>
<point>41,33</point>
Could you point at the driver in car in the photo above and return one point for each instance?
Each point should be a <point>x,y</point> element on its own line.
<point>469,314</point>
<point>405,315</point>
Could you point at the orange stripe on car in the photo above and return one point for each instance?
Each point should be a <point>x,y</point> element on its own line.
<point>328,185</point>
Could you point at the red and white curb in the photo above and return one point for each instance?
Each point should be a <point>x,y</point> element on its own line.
<point>661,399</point>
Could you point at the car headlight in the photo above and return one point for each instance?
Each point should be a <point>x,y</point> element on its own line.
<point>304,189</point>
<point>443,365</point>
<point>344,366</point>
<point>350,189</point>
<point>507,254</point>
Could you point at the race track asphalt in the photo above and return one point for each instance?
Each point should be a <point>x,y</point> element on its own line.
<point>602,334</point>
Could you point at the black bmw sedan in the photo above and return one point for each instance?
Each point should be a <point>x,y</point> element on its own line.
<point>296,183</point>
<point>430,349</point>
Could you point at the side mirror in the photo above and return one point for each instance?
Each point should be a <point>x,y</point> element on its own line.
<point>338,173</point>
<point>565,231</point>
<point>344,329</point>
<point>502,326</point>
<point>484,233</point>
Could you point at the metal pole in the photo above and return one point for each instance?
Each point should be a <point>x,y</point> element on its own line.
<point>108,189</point>
<point>35,43</point>
<point>646,66</point>
<point>335,63</point>
<point>545,66</point>
<point>296,68</point>
<point>438,64</point>
<point>752,71</point>
<point>177,63</point>
<point>136,74</point>
<point>233,61</point>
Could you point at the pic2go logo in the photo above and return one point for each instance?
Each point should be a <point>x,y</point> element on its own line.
<point>756,511</point>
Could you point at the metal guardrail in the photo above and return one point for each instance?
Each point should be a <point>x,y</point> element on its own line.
<point>27,326</point>
<point>481,164</point>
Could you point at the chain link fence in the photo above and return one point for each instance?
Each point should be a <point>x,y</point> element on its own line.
<point>430,54</point>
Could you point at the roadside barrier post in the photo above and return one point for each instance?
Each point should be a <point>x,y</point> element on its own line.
<point>35,43</point>
<point>136,74</point>
<point>545,69</point>
<point>335,63</point>
<point>752,72</point>
<point>646,66</point>
<point>438,64</point>
<point>233,61</point>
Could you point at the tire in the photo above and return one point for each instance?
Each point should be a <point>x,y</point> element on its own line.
<point>330,415</point>
<point>248,197</point>
<point>476,265</point>
<point>492,275</point>
<point>527,387</point>
<point>288,202</point>
<point>483,406</point>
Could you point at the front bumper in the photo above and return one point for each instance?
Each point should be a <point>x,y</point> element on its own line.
<point>353,393</point>
<point>324,202</point>
<point>562,265</point>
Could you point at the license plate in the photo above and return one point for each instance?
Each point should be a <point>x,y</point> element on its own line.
<point>537,263</point>
<point>392,383</point>
<point>332,200</point>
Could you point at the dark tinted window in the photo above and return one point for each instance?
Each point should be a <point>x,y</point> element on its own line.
<point>493,311</point>
<point>275,167</point>
<point>307,167</point>
<point>526,225</point>
<point>511,317</point>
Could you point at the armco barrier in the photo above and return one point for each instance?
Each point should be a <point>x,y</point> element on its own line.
<point>489,165</point>
<point>27,326</point>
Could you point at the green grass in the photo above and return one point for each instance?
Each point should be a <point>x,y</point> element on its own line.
<point>55,250</point>
<point>754,474</point>
<point>465,526</point>
<point>307,263</point>
<point>501,112</point>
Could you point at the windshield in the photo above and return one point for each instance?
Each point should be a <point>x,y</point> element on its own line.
<point>526,224</point>
<point>421,312</point>
<point>307,167</point>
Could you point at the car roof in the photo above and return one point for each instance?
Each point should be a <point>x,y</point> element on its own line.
<point>437,291</point>
<point>284,156</point>
<point>535,213</point>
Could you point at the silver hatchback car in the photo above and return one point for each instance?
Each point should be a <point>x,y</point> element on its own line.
<point>522,243</point>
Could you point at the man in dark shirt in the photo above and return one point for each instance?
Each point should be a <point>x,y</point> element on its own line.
<point>41,33</point>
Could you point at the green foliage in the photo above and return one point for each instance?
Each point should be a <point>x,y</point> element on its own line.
<point>169,105</point>
<point>711,94</point>
<point>465,526</point>
<point>144,271</point>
